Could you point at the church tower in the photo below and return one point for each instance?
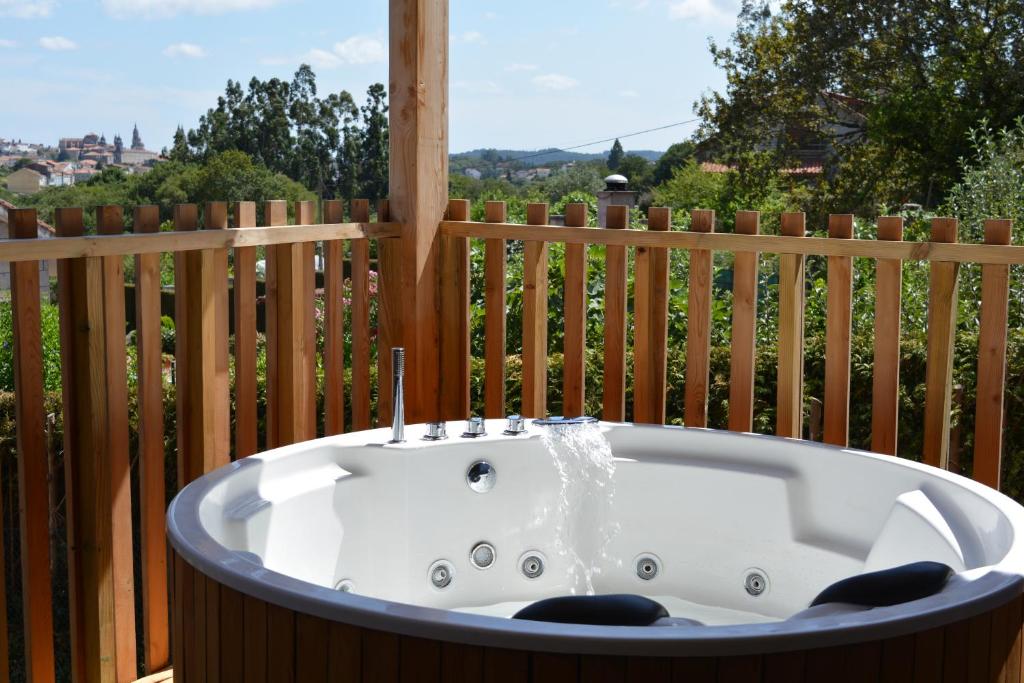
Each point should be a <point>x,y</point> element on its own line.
<point>118,149</point>
<point>137,139</point>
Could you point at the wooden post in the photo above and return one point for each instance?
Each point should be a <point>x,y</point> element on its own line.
<point>885,384</point>
<point>988,420</point>
<point>789,402</point>
<point>614,399</point>
<point>33,491</point>
<point>495,265</point>
<point>418,188</point>
<point>698,325</point>
<point>152,484</point>
<point>942,300</point>
<point>454,319</point>
<point>202,349</point>
<point>574,382</point>
<point>96,458</point>
<point>744,328</point>
<point>535,318</point>
<point>838,323</point>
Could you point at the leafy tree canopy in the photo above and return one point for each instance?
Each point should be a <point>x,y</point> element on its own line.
<point>329,144</point>
<point>615,156</point>
<point>902,81</point>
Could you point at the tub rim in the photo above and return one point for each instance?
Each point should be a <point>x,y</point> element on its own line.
<point>193,543</point>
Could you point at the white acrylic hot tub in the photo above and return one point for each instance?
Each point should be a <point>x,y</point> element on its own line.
<point>293,525</point>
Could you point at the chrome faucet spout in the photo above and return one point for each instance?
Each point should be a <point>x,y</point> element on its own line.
<point>397,394</point>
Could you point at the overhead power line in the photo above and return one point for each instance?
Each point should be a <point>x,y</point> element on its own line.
<point>598,142</point>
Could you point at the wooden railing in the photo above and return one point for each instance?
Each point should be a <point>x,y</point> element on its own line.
<point>650,311</point>
<point>219,411</point>
<point>207,243</point>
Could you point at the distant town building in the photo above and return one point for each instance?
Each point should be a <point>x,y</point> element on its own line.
<point>25,181</point>
<point>92,147</point>
<point>473,173</point>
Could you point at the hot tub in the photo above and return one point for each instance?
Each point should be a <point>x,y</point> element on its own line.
<point>351,558</point>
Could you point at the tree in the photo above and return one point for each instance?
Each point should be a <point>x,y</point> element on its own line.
<point>638,171</point>
<point>578,178</point>
<point>902,82</point>
<point>615,156</point>
<point>289,128</point>
<point>691,188</point>
<point>373,168</point>
<point>674,157</point>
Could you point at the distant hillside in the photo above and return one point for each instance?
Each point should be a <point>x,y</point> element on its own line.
<point>546,156</point>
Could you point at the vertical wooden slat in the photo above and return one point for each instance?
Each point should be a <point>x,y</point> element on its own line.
<point>535,318</point>
<point>575,317</point>
<point>381,655</point>
<point>275,213</point>
<point>942,300</point>
<point>255,630</point>
<point>928,655</point>
<point>745,669</point>
<point>695,669</point>
<point>462,663</point>
<point>495,263</point>
<point>698,325</point>
<point>650,324</point>
<point>72,277</point>
<point>886,372</point>
<point>345,659</point>
<point>152,486</point>
<point>110,221</point>
<point>334,317</point>
<point>305,214</point>
<point>5,664</point>
<point>838,323</point>
<point>454,286</point>
<point>202,366</point>
<point>281,639</point>
<point>312,643</point>
<point>614,399</point>
<point>177,611</point>
<point>232,639</point>
<point>96,457</point>
<point>599,669</point>
<point>420,660</point>
<point>784,667</point>
<point>389,311</point>
<point>789,402</point>
<point>186,218</point>
<point>360,321</point>
<point>245,337</point>
<point>33,489</point>
<point>506,666</point>
<point>897,660</point>
<point>546,667</point>
<point>744,324</point>
<point>988,421</point>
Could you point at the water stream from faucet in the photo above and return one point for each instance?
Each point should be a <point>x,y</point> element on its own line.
<point>584,526</point>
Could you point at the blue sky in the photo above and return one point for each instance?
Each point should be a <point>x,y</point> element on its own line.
<point>526,74</point>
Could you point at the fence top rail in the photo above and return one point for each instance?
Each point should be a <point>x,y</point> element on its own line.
<point>775,244</point>
<point>173,241</point>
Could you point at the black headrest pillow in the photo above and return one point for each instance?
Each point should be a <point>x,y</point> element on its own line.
<point>889,586</point>
<point>596,610</point>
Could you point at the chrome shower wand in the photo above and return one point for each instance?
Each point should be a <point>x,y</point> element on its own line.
<point>397,394</point>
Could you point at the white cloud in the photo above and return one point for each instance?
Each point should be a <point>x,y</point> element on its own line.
<point>26,9</point>
<point>158,9</point>
<point>354,50</point>
<point>512,68</point>
<point>474,37</point>
<point>190,50</point>
<point>7,43</point>
<point>628,93</point>
<point>57,43</point>
<point>555,82</point>
<point>699,10</point>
